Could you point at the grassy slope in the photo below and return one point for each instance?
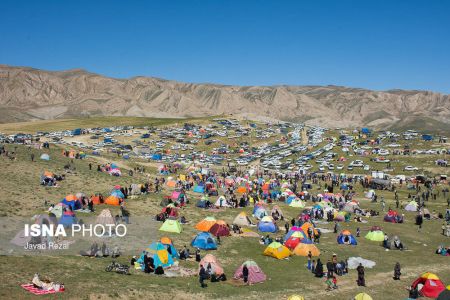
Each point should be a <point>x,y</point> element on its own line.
<point>85,277</point>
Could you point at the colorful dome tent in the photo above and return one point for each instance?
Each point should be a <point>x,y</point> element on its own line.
<point>277,251</point>
<point>220,229</point>
<point>161,257</point>
<point>45,156</point>
<point>291,232</point>
<point>255,274</point>
<point>432,285</point>
<point>393,217</point>
<point>259,212</point>
<point>362,296</point>
<point>411,206</point>
<point>375,236</point>
<point>242,219</point>
<point>267,225</point>
<point>67,219</point>
<point>346,238</point>
<point>445,294</point>
<point>112,200</point>
<point>297,203</point>
<point>105,218</point>
<point>223,200</point>
<point>304,247</point>
<point>306,226</point>
<point>296,238</point>
<point>169,246</point>
<point>205,241</point>
<point>351,206</point>
<point>118,193</point>
<point>170,225</point>
<point>206,224</point>
<point>295,297</point>
<point>72,201</point>
<point>210,259</point>
<point>58,210</point>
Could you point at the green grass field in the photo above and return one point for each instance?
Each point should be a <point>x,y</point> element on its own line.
<point>85,278</point>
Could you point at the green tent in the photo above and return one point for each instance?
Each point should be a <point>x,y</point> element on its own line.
<point>171,226</point>
<point>376,236</point>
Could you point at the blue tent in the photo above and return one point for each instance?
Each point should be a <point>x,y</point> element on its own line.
<point>67,219</point>
<point>107,140</point>
<point>427,137</point>
<point>290,198</point>
<point>267,227</point>
<point>118,193</point>
<point>365,130</point>
<point>76,131</point>
<point>346,239</point>
<point>199,189</point>
<point>73,204</point>
<point>205,241</point>
<point>156,156</point>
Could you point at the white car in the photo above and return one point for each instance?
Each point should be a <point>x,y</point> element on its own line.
<point>366,168</point>
<point>340,167</point>
<point>411,168</point>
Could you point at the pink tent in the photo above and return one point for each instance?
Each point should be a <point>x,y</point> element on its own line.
<point>175,195</point>
<point>255,274</point>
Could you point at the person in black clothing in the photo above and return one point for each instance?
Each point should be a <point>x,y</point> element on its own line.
<point>319,269</point>
<point>330,269</point>
<point>245,274</point>
<point>397,271</point>
<point>419,221</point>
<point>202,276</point>
<point>286,227</point>
<point>361,280</point>
<point>90,166</point>
<point>197,255</point>
<point>133,260</point>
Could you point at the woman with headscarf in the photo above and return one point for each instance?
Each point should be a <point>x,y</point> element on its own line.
<point>319,269</point>
<point>361,280</point>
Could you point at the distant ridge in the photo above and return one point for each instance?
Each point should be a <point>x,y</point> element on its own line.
<point>31,94</point>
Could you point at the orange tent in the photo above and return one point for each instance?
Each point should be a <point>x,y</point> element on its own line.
<point>171,183</point>
<point>206,224</point>
<point>346,232</point>
<point>305,227</point>
<point>96,200</point>
<point>303,249</point>
<point>242,190</point>
<point>71,198</point>
<point>48,174</point>
<point>165,240</point>
<point>112,200</point>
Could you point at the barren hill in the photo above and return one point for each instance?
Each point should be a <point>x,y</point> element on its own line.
<point>31,94</point>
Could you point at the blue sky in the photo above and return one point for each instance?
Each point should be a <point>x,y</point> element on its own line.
<point>371,44</point>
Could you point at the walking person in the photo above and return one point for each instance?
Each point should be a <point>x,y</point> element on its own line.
<point>202,276</point>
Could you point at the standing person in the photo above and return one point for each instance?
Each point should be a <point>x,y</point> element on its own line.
<point>313,267</point>
<point>358,232</point>
<point>397,271</point>
<point>197,255</point>
<point>90,166</point>
<point>329,269</point>
<point>309,260</point>
<point>286,227</point>
<point>245,274</point>
<point>361,280</point>
<point>419,221</point>
<point>319,269</point>
<point>202,276</point>
<point>32,157</point>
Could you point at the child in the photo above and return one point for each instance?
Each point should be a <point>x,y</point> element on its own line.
<point>331,283</point>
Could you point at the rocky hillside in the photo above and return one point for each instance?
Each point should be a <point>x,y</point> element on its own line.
<point>31,94</point>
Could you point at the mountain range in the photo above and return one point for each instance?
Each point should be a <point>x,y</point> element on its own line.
<point>31,94</point>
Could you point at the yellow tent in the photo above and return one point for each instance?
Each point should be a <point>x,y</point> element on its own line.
<point>363,296</point>
<point>296,297</point>
<point>277,250</point>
